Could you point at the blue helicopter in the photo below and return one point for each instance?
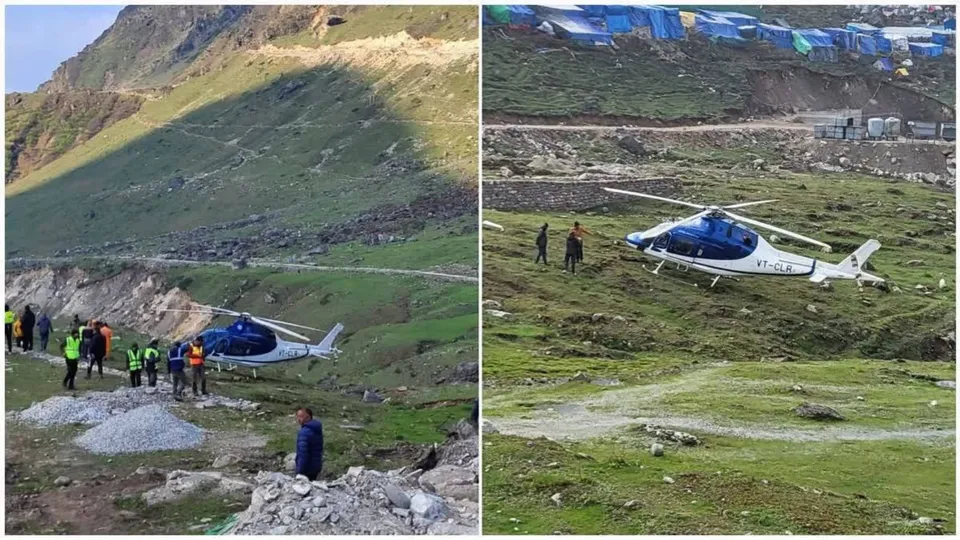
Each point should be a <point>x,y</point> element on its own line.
<point>716,241</point>
<point>251,341</point>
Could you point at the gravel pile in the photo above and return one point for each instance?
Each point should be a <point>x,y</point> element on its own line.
<point>146,429</point>
<point>60,410</point>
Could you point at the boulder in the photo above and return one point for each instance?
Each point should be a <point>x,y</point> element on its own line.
<point>817,412</point>
<point>396,496</point>
<point>452,481</point>
<point>369,396</point>
<point>225,461</point>
<point>429,507</point>
<point>656,450</point>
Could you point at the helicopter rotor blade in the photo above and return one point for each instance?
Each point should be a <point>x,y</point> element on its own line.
<point>656,198</point>
<point>278,328</point>
<point>285,323</point>
<point>192,311</point>
<point>753,203</point>
<point>779,230</point>
<point>224,311</point>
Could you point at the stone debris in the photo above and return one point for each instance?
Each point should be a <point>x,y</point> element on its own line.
<point>181,483</point>
<point>671,435</point>
<point>405,501</point>
<point>147,429</point>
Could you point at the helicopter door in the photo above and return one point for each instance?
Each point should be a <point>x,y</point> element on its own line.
<point>220,348</point>
<point>661,242</point>
<point>684,246</point>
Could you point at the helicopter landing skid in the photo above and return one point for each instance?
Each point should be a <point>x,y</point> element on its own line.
<point>656,272</point>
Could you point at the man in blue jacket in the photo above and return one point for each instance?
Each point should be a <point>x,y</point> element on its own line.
<point>175,367</point>
<point>309,444</point>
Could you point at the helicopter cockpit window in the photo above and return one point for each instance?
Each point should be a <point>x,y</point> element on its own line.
<point>662,241</point>
<point>682,246</point>
<point>744,236</point>
<point>220,347</point>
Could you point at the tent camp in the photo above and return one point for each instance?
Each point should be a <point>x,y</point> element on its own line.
<point>926,49</point>
<point>718,26</point>
<point>843,38</point>
<point>738,19</point>
<point>862,28</point>
<point>816,44</point>
<point>778,35</point>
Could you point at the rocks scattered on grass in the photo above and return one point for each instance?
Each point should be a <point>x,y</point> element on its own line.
<point>681,437</point>
<point>181,484</point>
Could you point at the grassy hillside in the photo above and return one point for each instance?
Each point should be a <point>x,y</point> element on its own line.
<point>42,127</point>
<point>584,362</point>
<point>530,74</point>
<point>306,143</point>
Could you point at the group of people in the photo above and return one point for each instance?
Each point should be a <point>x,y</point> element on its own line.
<point>574,252</point>
<point>92,340</point>
<point>18,328</point>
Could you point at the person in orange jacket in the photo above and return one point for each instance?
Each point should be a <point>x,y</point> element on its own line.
<point>196,357</point>
<point>107,334</point>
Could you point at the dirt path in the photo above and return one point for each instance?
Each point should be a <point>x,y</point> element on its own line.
<point>613,410</point>
<point>747,126</point>
<point>259,263</point>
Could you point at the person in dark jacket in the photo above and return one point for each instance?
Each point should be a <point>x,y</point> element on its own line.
<point>309,445</point>
<point>98,350</point>
<point>175,367</point>
<point>573,250</point>
<point>542,245</point>
<point>27,322</point>
<point>44,325</point>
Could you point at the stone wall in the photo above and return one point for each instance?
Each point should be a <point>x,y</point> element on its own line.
<point>543,195</point>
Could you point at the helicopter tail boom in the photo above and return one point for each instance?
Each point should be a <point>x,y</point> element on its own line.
<point>326,347</point>
<point>849,268</point>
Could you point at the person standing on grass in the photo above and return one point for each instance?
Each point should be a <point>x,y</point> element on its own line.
<point>27,322</point>
<point>44,326</point>
<point>98,349</point>
<point>309,444</point>
<point>151,355</point>
<point>579,230</point>
<point>135,364</point>
<point>70,348</point>
<point>197,357</point>
<point>570,258</point>
<point>8,319</point>
<point>542,245</point>
<point>175,366</point>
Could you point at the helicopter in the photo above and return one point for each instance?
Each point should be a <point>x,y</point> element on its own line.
<point>251,341</point>
<point>716,241</point>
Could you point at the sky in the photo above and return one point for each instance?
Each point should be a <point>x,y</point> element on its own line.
<point>39,38</point>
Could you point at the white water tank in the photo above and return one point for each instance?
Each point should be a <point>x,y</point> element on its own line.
<point>875,128</point>
<point>891,127</point>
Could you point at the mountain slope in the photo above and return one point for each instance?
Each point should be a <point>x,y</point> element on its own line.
<point>280,149</point>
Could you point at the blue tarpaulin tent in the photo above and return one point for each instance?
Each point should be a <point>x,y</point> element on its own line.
<point>884,64</point>
<point>944,37</point>
<point>664,22</point>
<point>509,14</point>
<point>816,38</point>
<point>738,19</point>
<point>570,22</point>
<point>845,39</point>
<point>866,45</point>
<point>778,35</point>
<point>487,21</point>
<point>862,28</point>
<point>926,49</point>
<point>950,24</point>
<point>521,15</point>
<point>716,26</point>
<point>884,45</point>
<point>618,24</point>
<point>747,32</point>
<point>602,11</point>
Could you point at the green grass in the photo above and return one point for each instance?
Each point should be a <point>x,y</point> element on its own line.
<point>727,357</point>
<point>530,74</point>
<point>729,487</point>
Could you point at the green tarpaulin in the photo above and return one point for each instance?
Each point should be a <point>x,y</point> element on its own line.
<point>501,14</point>
<point>801,44</point>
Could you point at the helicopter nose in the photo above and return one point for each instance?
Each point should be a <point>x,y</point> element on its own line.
<point>634,239</point>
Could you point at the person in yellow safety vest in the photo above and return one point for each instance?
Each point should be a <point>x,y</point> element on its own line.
<point>151,356</point>
<point>71,353</point>
<point>18,332</point>
<point>135,364</point>
<point>8,318</point>
<point>196,356</point>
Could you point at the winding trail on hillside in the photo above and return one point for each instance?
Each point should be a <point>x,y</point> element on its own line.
<point>260,263</point>
<point>611,411</point>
